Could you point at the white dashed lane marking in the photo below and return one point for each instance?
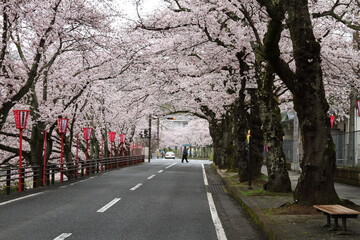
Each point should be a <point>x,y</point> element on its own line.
<point>109,205</point>
<point>170,165</point>
<point>136,187</point>
<point>63,236</point>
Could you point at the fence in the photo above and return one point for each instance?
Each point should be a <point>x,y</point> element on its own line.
<point>45,175</point>
<point>347,147</point>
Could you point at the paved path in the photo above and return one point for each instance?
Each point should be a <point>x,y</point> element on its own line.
<point>164,199</point>
<point>344,191</point>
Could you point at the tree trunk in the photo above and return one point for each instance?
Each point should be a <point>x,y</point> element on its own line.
<point>36,150</point>
<point>278,176</point>
<point>316,183</point>
<point>257,138</point>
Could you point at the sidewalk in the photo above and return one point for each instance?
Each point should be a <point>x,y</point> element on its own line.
<point>280,220</point>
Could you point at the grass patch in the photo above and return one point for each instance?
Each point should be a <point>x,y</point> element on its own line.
<point>291,209</point>
<point>13,188</point>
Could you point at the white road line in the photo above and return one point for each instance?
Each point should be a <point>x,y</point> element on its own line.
<point>63,236</point>
<point>109,205</point>
<point>204,175</point>
<point>170,165</point>
<point>151,177</point>
<point>160,171</point>
<point>215,217</point>
<point>137,186</point>
<point>20,198</point>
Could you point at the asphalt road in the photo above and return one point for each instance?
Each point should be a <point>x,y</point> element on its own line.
<point>164,199</point>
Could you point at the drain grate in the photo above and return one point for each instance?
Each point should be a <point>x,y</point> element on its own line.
<point>215,188</point>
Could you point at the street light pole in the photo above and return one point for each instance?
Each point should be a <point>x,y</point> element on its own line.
<point>251,91</point>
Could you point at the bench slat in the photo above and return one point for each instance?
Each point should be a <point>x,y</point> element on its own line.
<point>336,210</point>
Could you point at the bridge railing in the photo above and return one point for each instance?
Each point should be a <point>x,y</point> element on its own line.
<point>36,175</point>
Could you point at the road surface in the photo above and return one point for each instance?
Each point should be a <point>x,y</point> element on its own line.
<point>164,199</point>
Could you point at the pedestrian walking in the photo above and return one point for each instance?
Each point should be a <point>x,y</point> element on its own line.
<point>184,155</point>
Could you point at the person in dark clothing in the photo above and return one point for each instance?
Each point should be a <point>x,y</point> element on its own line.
<point>184,155</point>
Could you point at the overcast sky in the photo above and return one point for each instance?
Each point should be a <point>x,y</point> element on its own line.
<point>147,6</point>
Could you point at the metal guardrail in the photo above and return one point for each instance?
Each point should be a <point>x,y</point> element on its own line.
<point>46,175</point>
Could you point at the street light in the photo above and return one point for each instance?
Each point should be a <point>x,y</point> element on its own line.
<point>112,136</point>
<point>87,136</point>
<point>62,126</point>
<point>21,117</point>
<point>251,91</point>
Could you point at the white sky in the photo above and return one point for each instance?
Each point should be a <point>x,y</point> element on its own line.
<point>129,8</point>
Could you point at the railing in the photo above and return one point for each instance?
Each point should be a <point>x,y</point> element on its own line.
<point>347,146</point>
<point>35,176</point>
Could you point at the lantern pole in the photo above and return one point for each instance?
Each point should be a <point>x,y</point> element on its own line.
<point>62,126</point>
<point>20,121</point>
<point>44,157</point>
<point>149,138</point>
<point>102,154</point>
<point>77,156</point>
<point>122,149</point>
<point>111,149</point>
<point>21,180</point>
<point>87,157</point>
<point>61,156</point>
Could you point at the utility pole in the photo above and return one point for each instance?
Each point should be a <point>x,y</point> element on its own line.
<point>149,138</point>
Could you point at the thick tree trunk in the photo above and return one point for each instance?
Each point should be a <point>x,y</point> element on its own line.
<point>222,133</point>
<point>278,176</point>
<point>257,138</point>
<point>36,150</point>
<point>316,183</point>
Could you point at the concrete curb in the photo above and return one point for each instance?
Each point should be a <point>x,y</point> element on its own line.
<point>255,213</point>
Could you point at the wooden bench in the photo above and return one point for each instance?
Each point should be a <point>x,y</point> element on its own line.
<point>336,212</point>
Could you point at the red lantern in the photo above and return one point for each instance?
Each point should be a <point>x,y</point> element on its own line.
<point>358,106</point>
<point>21,117</point>
<point>122,138</point>
<point>62,124</point>
<point>332,121</point>
<point>87,133</point>
<point>87,137</point>
<point>112,136</point>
